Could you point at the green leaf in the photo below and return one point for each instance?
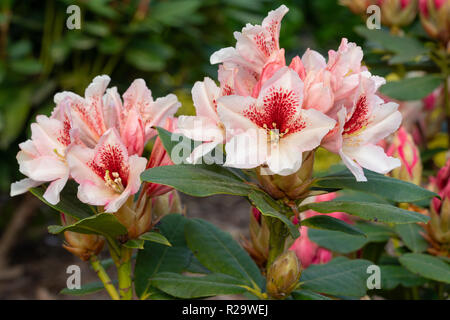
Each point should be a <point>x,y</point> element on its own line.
<point>155,237</point>
<point>68,203</point>
<point>377,184</point>
<point>263,203</point>
<point>337,241</point>
<point>220,253</point>
<point>323,222</point>
<point>26,66</point>
<point>375,232</point>
<point>411,88</point>
<point>411,237</point>
<point>308,295</point>
<point>405,48</point>
<point>368,210</point>
<point>86,289</point>
<point>156,257</point>
<point>185,287</point>
<point>102,223</point>
<point>134,244</point>
<point>392,276</point>
<point>341,276</point>
<point>427,266</point>
<point>198,180</point>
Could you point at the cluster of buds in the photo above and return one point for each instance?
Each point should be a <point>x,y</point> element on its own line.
<point>438,228</point>
<point>435,18</point>
<point>81,245</point>
<point>283,275</point>
<point>397,13</point>
<point>404,148</point>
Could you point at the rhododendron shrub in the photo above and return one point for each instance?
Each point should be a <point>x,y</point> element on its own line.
<point>256,133</point>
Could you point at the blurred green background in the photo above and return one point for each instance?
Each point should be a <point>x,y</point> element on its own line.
<point>166,42</point>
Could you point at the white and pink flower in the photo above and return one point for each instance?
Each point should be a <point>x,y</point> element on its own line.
<point>107,175</point>
<point>272,129</point>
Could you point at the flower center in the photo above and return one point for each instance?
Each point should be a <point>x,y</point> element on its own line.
<point>115,182</point>
<point>278,116</point>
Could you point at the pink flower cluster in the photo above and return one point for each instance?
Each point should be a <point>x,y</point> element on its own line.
<point>97,140</point>
<point>268,113</point>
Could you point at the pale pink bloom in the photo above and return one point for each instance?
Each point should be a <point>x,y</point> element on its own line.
<point>107,175</point>
<point>256,47</point>
<point>206,125</point>
<point>441,185</point>
<point>43,158</point>
<point>308,251</point>
<point>362,127</point>
<point>273,128</point>
<point>98,111</point>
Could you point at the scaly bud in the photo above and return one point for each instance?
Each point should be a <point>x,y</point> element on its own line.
<point>165,204</point>
<point>283,275</point>
<point>438,228</point>
<point>435,18</point>
<point>294,186</point>
<point>80,244</point>
<point>404,148</point>
<point>397,13</point>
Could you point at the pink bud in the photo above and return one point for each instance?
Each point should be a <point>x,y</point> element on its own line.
<point>441,185</point>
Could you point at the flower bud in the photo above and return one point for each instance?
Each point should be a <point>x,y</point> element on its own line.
<point>435,18</point>
<point>136,216</point>
<point>294,186</point>
<point>283,275</point>
<point>404,148</point>
<point>397,13</point>
<point>166,204</point>
<point>80,244</point>
<point>438,228</point>
<point>358,7</point>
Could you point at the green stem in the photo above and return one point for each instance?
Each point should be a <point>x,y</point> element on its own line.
<point>106,280</point>
<point>124,274</point>
<point>277,239</point>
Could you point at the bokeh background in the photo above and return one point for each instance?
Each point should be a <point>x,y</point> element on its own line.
<point>167,43</point>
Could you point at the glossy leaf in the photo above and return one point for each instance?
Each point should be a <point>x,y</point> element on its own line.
<point>186,287</point>
<point>155,237</point>
<point>220,253</point>
<point>324,222</point>
<point>267,207</point>
<point>368,211</point>
<point>426,266</point>
<point>411,236</point>
<point>102,224</point>
<point>341,276</point>
<point>337,241</point>
<point>156,257</point>
<point>377,184</point>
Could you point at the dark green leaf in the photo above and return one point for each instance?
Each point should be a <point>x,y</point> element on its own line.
<point>263,203</point>
<point>368,210</point>
<point>427,266</point>
<point>102,223</point>
<point>392,276</point>
<point>375,232</point>
<point>185,287</point>
<point>220,253</point>
<point>340,276</point>
<point>411,236</point>
<point>156,257</point>
<point>198,180</point>
<point>68,203</point>
<point>308,295</point>
<point>377,184</point>
<point>411,88</point>
<point>337,241</point>
<point>324,222</point>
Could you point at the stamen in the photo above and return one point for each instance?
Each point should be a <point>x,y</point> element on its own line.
<point>115,184</point>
